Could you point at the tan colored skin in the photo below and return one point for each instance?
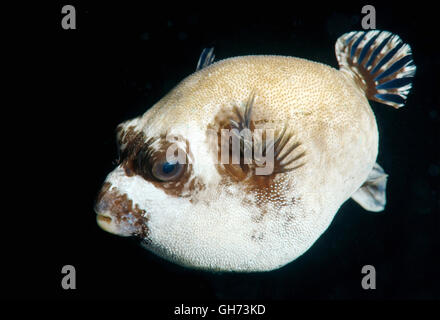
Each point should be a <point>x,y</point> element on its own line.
<point>225,226</point>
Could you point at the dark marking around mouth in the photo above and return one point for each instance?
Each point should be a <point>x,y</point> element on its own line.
<point>121,208</point>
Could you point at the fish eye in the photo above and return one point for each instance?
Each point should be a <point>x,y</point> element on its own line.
<point>167,171</point>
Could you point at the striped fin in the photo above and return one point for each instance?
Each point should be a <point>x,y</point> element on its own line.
<point>206,58</point>
<point>380,63</point>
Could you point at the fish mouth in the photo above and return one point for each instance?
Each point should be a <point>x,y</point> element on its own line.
<point>107,223</point>
<point>103,219</point>
<point>116,213</point>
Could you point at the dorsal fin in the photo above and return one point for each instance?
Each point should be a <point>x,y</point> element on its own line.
<point>380,63</point>
<point>206,58</point>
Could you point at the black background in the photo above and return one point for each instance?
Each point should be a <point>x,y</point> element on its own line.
<point>123,58</point>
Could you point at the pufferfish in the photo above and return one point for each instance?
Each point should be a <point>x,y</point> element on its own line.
<point>171,189</point>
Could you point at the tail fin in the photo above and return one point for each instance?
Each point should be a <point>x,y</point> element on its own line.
<point>379,62</point>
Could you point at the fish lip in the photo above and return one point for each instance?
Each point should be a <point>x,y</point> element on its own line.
<point>108,224</point>
<point>104,218</point>
<point>104,221</point>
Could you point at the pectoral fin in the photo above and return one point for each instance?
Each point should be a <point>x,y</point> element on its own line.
<point>371,195</point>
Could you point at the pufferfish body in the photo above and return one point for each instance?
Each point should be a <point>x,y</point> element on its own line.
<point>183,191</point>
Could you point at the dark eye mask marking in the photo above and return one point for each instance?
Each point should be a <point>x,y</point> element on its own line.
<point>139,157</point>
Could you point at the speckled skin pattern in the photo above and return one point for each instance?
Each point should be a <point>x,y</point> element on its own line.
<point>227,226</point>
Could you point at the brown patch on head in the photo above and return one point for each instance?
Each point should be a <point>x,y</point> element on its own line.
<point>121,209</point>
<point>138,156</point>
<point>105,187</point>
<point>130,143</point>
